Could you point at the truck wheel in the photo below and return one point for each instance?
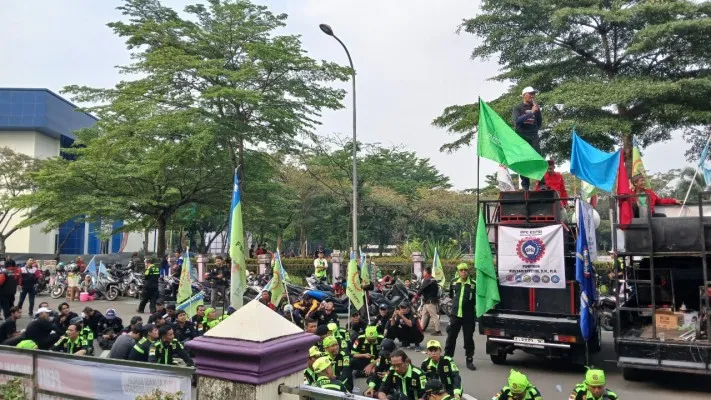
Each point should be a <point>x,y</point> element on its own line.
<point>631,374</point>
<point>498,358</point>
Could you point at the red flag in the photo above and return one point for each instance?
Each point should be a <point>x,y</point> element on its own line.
<point>623,188</point>
<point>593,201</point>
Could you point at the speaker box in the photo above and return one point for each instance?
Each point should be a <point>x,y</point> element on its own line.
<point>538,211</point>
<point>548,209</point>
<point>669,235</point>
<point>513,210</point>
<point>513,298</point>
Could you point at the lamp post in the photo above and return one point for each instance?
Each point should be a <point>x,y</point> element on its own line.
<point>327,30</point>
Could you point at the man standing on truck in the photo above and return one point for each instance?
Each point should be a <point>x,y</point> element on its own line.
<point>528,119</point>
<point>463,294</point>
<point>639,184</point>
<point>593,388</point>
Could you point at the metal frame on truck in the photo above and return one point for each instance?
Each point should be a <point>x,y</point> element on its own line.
<point>641,346</point>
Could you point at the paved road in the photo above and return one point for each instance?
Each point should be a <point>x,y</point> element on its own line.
<point>554,379</point>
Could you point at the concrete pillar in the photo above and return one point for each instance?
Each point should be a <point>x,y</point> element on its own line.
<point>265,263</point>
<point>201,265</point>
<point>241,359</point>
<point>418,261</point>
<point>336,264</point>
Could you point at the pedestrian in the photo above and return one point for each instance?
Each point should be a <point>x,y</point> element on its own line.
<point>150,286</point>
<point>528,119</point>
<point>442,368</point>
<point>10,279</point>
<point>405,327</point>
<point>164,350</point>
<point>30,277</point>
<point>320,267</point>
<point>218,278</point>
<point>519,388</point>
<point>593,388</point>
<point>403,378</point>
<point>429,290</point>
<point>124,343</point>
<point>141,349</point>
<point>8,329</point>
<point>463,294</point>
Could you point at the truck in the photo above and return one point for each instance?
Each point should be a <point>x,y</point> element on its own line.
<point>534,316</point>
<point>662,257</point>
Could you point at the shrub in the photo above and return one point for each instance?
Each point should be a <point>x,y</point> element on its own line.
<point>157,394</point>
<point>13,390</point>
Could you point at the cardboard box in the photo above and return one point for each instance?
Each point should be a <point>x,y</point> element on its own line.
<point>669,320</point>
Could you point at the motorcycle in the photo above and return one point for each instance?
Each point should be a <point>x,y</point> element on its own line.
<point>607,305</point>
<point>43,284</point>
<point>108,286</point>
<point>58,285</point>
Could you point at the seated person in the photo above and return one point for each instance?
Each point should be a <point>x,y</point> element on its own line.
<point>639,186</point>
<point>405,327</point>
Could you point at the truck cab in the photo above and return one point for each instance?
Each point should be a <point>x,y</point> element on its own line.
<point>534,315</point>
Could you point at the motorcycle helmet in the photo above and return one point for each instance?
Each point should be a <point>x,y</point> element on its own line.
<point>60,267</point>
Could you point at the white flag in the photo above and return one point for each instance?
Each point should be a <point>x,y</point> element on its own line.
<point>504,178</point>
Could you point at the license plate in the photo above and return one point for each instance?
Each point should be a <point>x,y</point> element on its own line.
<point>528,340</point>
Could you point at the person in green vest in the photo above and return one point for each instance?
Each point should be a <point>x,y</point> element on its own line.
<point>211,320</point>
<point>27,344</point>
<point>593,388</point>
<point>519,388</point>
<point>435,390</point>
<point>325,377</point>
<point>309,374</point>
<point>462,291</point>
<point>320,267</point>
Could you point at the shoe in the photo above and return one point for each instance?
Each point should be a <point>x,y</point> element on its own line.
<point>437,333</point>
<point>470,364</point>
<point>418,348</point>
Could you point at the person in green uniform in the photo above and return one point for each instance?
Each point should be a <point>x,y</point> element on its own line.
<point>403,379</point>
<point>519,388</point>
<point>435,390</point>
<point>382,367</point>
<point>344,338</point>
<point>211,319</point>
<point>365,350</point>
<point>150,286</point>
<point>340,361</point>
<point>309,374</point>
<point>593,388</point>
<point>320,267</point>
<point>165,350</point>
<point>27,344</point>
<point>73,343</point>
<point>462,291</point>
<point>140,350</point>
<point>325,377</point>
<point>442,368</point>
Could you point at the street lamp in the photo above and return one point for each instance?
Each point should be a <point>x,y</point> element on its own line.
<point>327,30</point>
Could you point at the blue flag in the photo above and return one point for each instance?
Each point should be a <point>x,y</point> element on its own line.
<point>593,165</point>
<point>702,164</point>
<point>584,273</point>
<point>91,267</point>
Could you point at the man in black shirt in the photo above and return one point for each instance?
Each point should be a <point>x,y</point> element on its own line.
<point>405,327</point>
<point>8,329</point>
<point>93,320</point>
<point>528,119</point>
<point>357,325</point>
<point>218,278</point>
<point>429,290</point>
<point>381,320</point>
<point>198,318</point>
<point>184,330</point>
<point>325,314</point>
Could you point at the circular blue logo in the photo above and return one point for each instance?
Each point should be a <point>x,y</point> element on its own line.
<point>555,279</point>
<point>530,250</point>
<point>518,278</point>
<point>536,278</point>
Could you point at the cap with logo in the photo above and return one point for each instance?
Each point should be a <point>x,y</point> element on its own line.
<point>315,352</point>
<point>595,377</point>
<point>43,310</point>
<point>332,327</point>
<point>110,313</point>
<point>383,306</point>
<point>329,341</point>
<point>321,364</point>
<point>371,332</point>
<point>518,382</point>
<point>434,344</point>
<point>462,267</point>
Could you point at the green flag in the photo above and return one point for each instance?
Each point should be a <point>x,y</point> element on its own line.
<point>185,290</point>
<point>498,142</point>
<point>637,165</point>
<point>437,270</point>
<point>487,283</point>
<point>278,279</point>
<point>353,288</point>
<point>238,269</point>
<point>364,271</point>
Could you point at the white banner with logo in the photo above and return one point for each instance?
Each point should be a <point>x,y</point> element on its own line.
<point>531,257</point>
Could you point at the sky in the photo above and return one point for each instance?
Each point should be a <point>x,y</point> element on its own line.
<point>410,64</point>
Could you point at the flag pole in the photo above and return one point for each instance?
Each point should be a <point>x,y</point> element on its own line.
<point>693,180</point>
<point>365,294</point>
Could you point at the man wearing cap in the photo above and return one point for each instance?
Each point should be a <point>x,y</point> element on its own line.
<point>519,388</point>
<point>462,291</point>
<point>382,366</point>
<point>405,327</point>
<point>365,351</point>
<point>527,120</point>
<point>112,321</point>
<point>593,388</point>
<point>340,361</point>
<point>554,181</point>
<point>381,320</point>
<point>150,286</point>
<point>403,378</point>
<point>342,335</point>
<point>442,368</point>
<point>434,390</point>
<point>309,374</point>
<point>325,376</point>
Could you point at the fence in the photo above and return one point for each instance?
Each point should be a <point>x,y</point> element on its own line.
<point>49,376</point>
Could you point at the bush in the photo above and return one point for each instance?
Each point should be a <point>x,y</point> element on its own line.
<point>157,394</point>
<point>13,390</point>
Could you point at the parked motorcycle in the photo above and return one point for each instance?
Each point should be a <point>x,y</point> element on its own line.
<point>108,286</point>
<point>43,284</point>
<point>608,304</point>
<point>58,286</point>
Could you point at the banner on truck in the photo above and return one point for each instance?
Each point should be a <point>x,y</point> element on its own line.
<point>531,257</point>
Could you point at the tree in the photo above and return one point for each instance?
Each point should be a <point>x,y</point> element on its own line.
<point>619,68</point>
<point>224,61</point>
<point>15,180</point>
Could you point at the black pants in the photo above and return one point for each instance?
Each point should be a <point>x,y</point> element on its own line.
<point>359,364</point>
<point>456,324</point>
<point>31,292</point>
<point>406,335</point>
<point>535,142</point>
<point>148,294</point>
<point>7,301</point>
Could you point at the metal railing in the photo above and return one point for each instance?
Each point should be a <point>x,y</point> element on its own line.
<point>310,392</point>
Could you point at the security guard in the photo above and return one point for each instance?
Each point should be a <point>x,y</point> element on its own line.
<point>463,294</point>
<point>325,377</point>
<point>442,368</point>
<point>84,331</point>
<point>519,388</point>
<point>344,338</point>
<point>434,390</point>
<point>140,350</point>
<point>366,349</point>
<point>340,361</point>
<point>381,367</point>
<point>165,350</point>
<point>150,286</point>
<point>593,388</point>
<point>73,343</point>
<point>309,374</point>
<point>403,379</point>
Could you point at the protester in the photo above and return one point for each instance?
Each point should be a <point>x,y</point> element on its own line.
<point>304,308</point>
<point>72,283</point>
<point>160,310</point>
<point>325,315</point>
<point>219,277</point>
<point>380,367</point>
<point>150,286</point>
<point>198,318</point>
<point>107,339</point>
<point>260,250</point>
<point>528,119</point>
<point>382,319</point>
<point>111,321</point>
<point>309,374</point>
<point>326,379</point>
<point>139,352</point>
<point>73,343</point>
<point>405,327</point>
<point>366,348</point>
<point>211,320</point>
<point>403,377</point>
<point>93,320</point>
<point>132,323</point>
<point>442,368</point>
<point>157,318</point>
<point>435,390</point>
<point>593,387</point>
<point>65,316</point>
<point>81,266</point>
<point>31,275</point>
<point>639,185</point>
<point>8,329</point>
<point>357,326</point>
<point>322,332</point>
<point>340,361</point>
<point>519,388</point>
<point>320,267</point>
<point>554,181</point>
<point>310,326</point>
<point>10,279</point>
<point>341,334</point>
<point>124,343</point>
<point>170,313</point>
<point>165,350</point>
<point>429,290</point>
<point>266,298</point>
<point>462,291</point>
<point>184,330</point>
<point>87,286</point>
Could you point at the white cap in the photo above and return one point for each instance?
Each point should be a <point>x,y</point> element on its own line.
<point>43,310</point>
<point>528,89</point>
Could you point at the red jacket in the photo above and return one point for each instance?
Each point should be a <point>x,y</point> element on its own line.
<point>554,180</point>
<point>14,271</point>
<point>654,200</point>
